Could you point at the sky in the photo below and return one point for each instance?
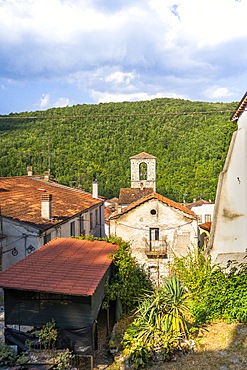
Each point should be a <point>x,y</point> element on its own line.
<point>57,53</point>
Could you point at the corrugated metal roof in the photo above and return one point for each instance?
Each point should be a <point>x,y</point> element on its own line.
<point>159,197</point>
<point>64,265</point>
<point>21,200</point>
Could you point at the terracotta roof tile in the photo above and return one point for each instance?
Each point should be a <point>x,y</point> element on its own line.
<point>206,226</point>
<point>20,199</point>
<point>197,203</point>
<point>142,155</point>
<point>130,195</point>
<point>240,108</point>
<point>64,265</point>
<point>159,197</point>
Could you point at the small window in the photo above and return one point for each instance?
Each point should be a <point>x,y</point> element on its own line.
<point>207,218</point>
<point>72,228</point>
<point>82,231</point>
<point>153,211</point>
<point>91,221</point>
<point>47,238</point>
<point>96,217</point>
<point>199,219</point>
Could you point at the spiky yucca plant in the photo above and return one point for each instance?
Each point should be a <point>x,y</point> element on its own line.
<point>160,323</point>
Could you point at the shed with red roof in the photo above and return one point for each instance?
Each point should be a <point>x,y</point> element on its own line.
<point>64,280</point>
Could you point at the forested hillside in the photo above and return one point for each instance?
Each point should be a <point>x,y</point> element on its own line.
<point>189,139</point>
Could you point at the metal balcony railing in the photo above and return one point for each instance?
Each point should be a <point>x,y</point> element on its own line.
<point>156,249</point>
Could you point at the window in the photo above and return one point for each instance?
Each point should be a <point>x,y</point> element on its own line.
<point>91,221</point>
<point>72,228</point>
<point>82,231</point>
<point>154,234</point>
<point>153,212</point>
<point>96,217</point>
<point>143,171</point>
<point>199,219</point>
<point>47,238</point>
<point>207,218</point>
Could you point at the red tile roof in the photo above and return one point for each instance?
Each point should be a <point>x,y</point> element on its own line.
<point>142,155</point>
<point>159,197</point>
<point>20,199</point>
<point>197,203</point>
<point>129,195</point>
<point>206,226</point>
<point>240,108</point>
<point>64,265</point>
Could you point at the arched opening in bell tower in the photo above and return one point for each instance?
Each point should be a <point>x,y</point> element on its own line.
<point>143,171</point>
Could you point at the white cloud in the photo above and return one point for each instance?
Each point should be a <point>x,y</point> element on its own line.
<point>120,77</point>
<point>123,49</point>
<point>44,101</point>
<point>62,102</point>
<point>217,93</point>
<point>100,97</point>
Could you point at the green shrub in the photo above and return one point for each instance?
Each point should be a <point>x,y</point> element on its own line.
<point>7,355</point>
<point>216,293</point>
<point>48,335</point>
<point>63,360</point>
<point>128,281</point>
<point>159,324</point>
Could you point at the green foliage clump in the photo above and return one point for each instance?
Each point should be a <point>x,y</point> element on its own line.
<point>48,335</point>
<point>63,360</point>
<point>189,139</point>
<point>160,324</point>
<point>7,355</point>
<point>129,281</point>
<point>216,293</point>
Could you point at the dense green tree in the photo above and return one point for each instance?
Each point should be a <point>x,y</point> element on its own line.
<point>78,143</point>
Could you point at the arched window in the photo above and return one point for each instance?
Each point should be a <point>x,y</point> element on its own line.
<point>143,171</point>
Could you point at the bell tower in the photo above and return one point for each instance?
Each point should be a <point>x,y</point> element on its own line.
<point>143,171</point>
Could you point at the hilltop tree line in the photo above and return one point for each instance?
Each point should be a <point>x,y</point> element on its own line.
<point>83,142</point>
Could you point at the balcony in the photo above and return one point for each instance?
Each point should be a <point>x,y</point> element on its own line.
<point>156,249</point>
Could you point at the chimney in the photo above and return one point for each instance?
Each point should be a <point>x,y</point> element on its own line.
<point>29,171</point>
<point>95,189</point>
<point>46,175</point>
<point>46,206</point>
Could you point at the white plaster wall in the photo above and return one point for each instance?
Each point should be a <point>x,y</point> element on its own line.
<point>229,229</point>
<point>179,230</point>
<point>203,210</point>
<point>21,236</point>
<point>17,236</point>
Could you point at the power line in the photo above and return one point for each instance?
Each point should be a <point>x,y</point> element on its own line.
<point>118,115</point>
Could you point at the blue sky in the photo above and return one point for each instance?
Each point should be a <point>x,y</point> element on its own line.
<point>55,53</point>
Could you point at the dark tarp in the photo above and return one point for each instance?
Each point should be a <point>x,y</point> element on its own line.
<point>19,338</point>
<point>79,341</point>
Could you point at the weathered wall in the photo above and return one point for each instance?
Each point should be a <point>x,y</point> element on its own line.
<point>229,228</point>
<point>177,230</point>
